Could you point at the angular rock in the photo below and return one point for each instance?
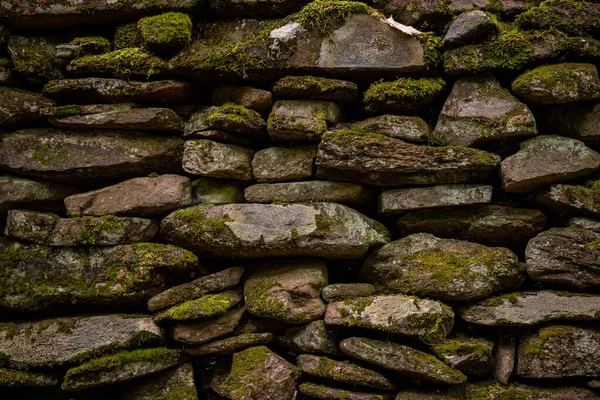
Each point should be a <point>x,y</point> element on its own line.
<point>238,120</point>
<point>446,269</point>
<point>315,88</point>
<point>249,97</point>
<point>209,305</point>
<point>343,291</point>
<point>230,345</point>
<point>316,391</point>
<point>470,355</point>
<point>571,199</point>
<point>559,351</point>
<point>403,96</point>
<point>530,308</point>
<point>469,28</point>
<point>14,378</point>
<point>565,257</point>
<point>316,338</point>
<point>402,200</point>
<point>479,111</point>
<point>410,129</point>
<point>490,225</point>
<point>310,191</point>
<point>584,223</point>
<point>558,84</point>
<point>34,57</point>
<point>572,17</point>
<point>578,120</point>
<point>165,33</point>
<point>402,360</point>
<point>79,156</point>
<point>217,160</point>
<point>139,197</point>
<point>545,160</point>
<point>378,160</point>
<point>505,357</point>
<point>19,107</point>
<point>18,192</point>
<point>177,381</point>
<point>201,125</point>
<point>83,46</point>
<point>282,164</point>
<point>287,290</point>
<point>72,340</point>
<point>272,230</point>
<point>70,110</point>
<point>428,320</point>
<point>202,331</point>
<point>217,191</point>
<point>301,121</point>
<point>107,90</point>
<point>97,276</point>
<point>144,119</point>
<point>126,63</point>
<point>121,367</point>
<point>222,280</point>
<point>256,373</point>
<point>51,230</point>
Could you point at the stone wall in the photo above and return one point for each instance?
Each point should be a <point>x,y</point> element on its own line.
<point>283,199</point>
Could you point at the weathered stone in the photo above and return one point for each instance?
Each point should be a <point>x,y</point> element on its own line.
<point>19,107</point>
<point>343,291</point>
<point>83,46</point>
<point>109,276</point>
<point>144,119</point>
<point>379,160</point>
<point>222,280</point>
<point>428,320</point>
<point>287,290</point>
<point>201,125</point>
<point>202,331</point>
<point>403,96</point>
<point>447,269</point>
<point>490,225</point>
<point>177,382</point>
<point>315,88</point>
<point>72,340</point>
<point>301,121</point>
<point>140,197</point>
<point>594,384</point>
<point>545,160</point>
<point>584,223</point>
<point>165,33</point>
<point>51,230</point>
<point>272,230</point>
<point>571,199</point>
<point>34,57</point>
<point>238,120</point>
<point>567,257</point>
<point>315,391</point>
<point>127,35</point>
<point>132,63</point>
<point>282,164</point>
<point>230,345</point>
<point>106,90</point>
<point>578,120</point>
<point>23,193</point>
<point>249,97</point>
<point>257,373</point>
<point>529,308</point>
<point>402,200</point>
<point>217,191</point>
<point>479,111</point>
<point>344,372</point>
<point>8,76</point>
<point>217,160</point>
<point>402,360</point>
<point>209,305</point>
<point>239,8</point>
<point>80,156</point>
<point>559,351</point>
<point>317,338</point>
<point>266,325</point>
<point>411,129</point>
<point>69,110</point>
<point>470,355</point>
<point>558,84</point>
<point>572,17</point>
<point>469,28</point>
<point>121,367</point>
<point>310,191</point>
<point>505,357</point>
<point>14,378</point>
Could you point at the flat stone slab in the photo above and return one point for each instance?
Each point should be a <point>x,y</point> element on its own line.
<point>230,345</point>
<point>19,107</point>
<point>343,291</point>
<point>308,87</point>
<point>571,199</point>
<point>217,160</point>
<point>207,306</point>
<point>15,378</point>
<point>470,355</point>
<point>322,392</point>
<point>410,129</point>
<point>283,164</point>
<point>202,331</point>
<point>16,192</point>
<point>143,119</point>
<point>310,191</point>
<point>178,381</point>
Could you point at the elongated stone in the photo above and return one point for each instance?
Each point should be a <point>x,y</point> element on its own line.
<point>315,88</point>
<point>202,331</point>
<point>505,356</point>
<point>217,160</point>
<point>230,345</point>
<point>177,381</point>
<point>411,129</point>
<point>15,378</point>
<point>343,291</point>
<point>209,305</point>
<point>143,119</point>
<point>19,107</point>
<point>309,191</point>
<point>470,355</point>
<point>18,192</point>
<point>282,164</point>
<point>571,199</point>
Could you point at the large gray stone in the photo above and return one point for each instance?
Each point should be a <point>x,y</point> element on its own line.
<point>469,28</point>
<point>144,119</point>
<point>18,192</point>
<point>310,191</point>
<point>19,107</point>
<point>283,164</point>
<point>177,381</point>
<point>202,331</point>
<point>217,160</point>
<point>301,121</point>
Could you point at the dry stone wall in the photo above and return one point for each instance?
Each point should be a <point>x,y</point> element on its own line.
<point>284,199</point>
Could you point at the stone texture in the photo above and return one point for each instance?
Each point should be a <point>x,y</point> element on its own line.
<point>51,230</point>
<point>202,331</point>
<point>310,191</point>
<point>545,160</point>
<point>144,119</point>
<point>378,160</point>
<point>326,230</point>
<point>470,355</point>
<point>446,269</point>
<point>343,291</point>
<point>410,129</point>
<point>402,360</point>
<point>83,46</point>
<point>469,28</point>
<point>403,96</point>
<point>79,156</point>
<point>316,391</point>
<point>203,123</point>
<point>74,109</point>
<point>557,13</point>
<point>301,121</point>
<point>283,164</point>
<point>238,120</point>
<point>14,378</point>
<point>564,257</point>
<point>263,8</point>
<point>18,192</point>
<point>402,200</point>
<point>490,225</point>
<point>529,308</point>
<point>287,290</point>
<point>559,351</point>
<point>579,120</point>
<point>217,160</point>
<point>505,357</point>
<point>230,345</point>
<point>428,320</point>
<point>571,199</point>
<point>479,111</point>
<point>71,340</point>
<point>249,97</point>
<point>177,382</point>
<point>19,107</point>
<point>34,57</point>
<point>134,63</point>
<point>316,338</point>
<point>584,223</point>
<point>315,88</point>
<point>217,191</point>
<point>138,197</point>
<point>206,306</point>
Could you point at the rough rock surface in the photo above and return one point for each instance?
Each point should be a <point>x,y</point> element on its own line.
<point>255,99</point>
<point>282,164</point>
<point>411,129</point>
<point>343,291</point>
<point>18,192</point>
<point>470,355</point>
<point>206,306</point>
<point>177,381</point>
<point>217,160</point>
<point>308,192</point>
<point>230,345</point>
<point>315,337</point>
<point>468,28</point>
<point>15,378</point>
<point>505,357</point>
<point>143,119</point>
<point>310,87</point>
<point>19,107</point>
<point>579,120</point>
<point>571,199</point>
<point>322,392</point>
<point>202,331</point>
<point>301,121</point>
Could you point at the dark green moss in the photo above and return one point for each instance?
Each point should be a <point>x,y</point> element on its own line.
<point>127,36</point>
<point>571,16</point>
<point>124,63</point>
<point>324,16</point>
<point>210,305</point>
<point>172,29</point>
<point>246,371</point>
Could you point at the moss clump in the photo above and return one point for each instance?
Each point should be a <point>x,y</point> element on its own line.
<point>260,301</point>
<point>326,15</point>
<point>124,63</point>
<point>431,49</point>
<point>513,298</point>
<point>14,378</point>
<point>540,345</point>
<point>170,30</point>
<point>408,94</point>
<point>94,228</point>
<point>231,115</point>
<point>247,371</point>
<point>198,222</point>
<point>210,305</point>
<point>34,57</point>
<point>571,16</point>
<point>478,349</point>
<point>127,36</point>
<point>558,78</point>
<point>310,83</point>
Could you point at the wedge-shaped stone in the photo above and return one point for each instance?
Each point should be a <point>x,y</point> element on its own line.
<point>325,230</point>
<point>177,381</point>
<point>316,338</point>
<point>379,160</point>
<point>571,199</point>
<point>100,276</point>
<point>217,160</point>
<point>468,28</point>
<point>80,156</point>
<point>51,230</point>
<point>71,340</point>
<point>143,119</point>
<point>447,269</point>
<point>121,367</point>
<point>310,191</point>
<point>18,192</point>
<point>529,308</point>
<point>578,350</point>
<point>15,378</point>
<point>470,355</point>
<point>565,257</point>
<point>411,129</point>
<point>138,197</point>
<point>202,331</point>
<point>209,305</point>
<point>315,88</point>
<point>19,107</point>
<point>428,320</point>
<point>282,164</point>
<point>230,345</point>
<point>403,360</point>
<point>301,121</point>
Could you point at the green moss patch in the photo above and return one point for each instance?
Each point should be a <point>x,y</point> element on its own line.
<point>210,305</point>
<point>324,16</point>
<point>406,93</point>
<point>124,63</point>
<point>170,30</point>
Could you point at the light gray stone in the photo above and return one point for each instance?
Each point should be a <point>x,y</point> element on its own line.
<point>217,160</point>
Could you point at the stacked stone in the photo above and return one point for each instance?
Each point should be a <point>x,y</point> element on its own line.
<point>294,200</point>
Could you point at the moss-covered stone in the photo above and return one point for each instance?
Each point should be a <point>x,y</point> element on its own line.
<point>127,36</point>
<point>470,355</point>
<point>209,305</point>
<point>34,57</point>
<point>166,32</point>
<point>315,88</point>
<point>173,384</point>
<point>15,378</point>
<point>125,63</point>
<point>570,16</point>
<point>403,96</point>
